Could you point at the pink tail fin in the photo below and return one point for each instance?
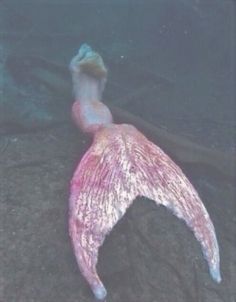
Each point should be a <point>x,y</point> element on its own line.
<point>120,165</point>
<point>165,183</point>
<point>100,194</point>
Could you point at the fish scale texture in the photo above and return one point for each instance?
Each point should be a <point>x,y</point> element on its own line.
<point>120,165</point>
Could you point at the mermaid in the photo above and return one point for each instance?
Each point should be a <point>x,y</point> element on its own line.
<point>120,165</point>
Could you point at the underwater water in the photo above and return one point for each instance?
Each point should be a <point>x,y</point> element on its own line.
<point>171,64</point>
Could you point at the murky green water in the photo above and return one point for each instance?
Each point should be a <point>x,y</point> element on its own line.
<point>172,64</point>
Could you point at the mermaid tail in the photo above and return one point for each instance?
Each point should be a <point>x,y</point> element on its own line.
<point>120,165</point>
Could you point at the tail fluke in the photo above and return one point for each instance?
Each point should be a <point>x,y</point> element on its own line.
<point>120,165</point>
<point>100,194</point>
<point>165,183</point>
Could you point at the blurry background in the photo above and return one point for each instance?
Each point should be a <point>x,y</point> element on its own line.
<point>171,62</point>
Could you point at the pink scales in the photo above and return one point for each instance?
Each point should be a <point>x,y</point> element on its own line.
<point>120,165</point>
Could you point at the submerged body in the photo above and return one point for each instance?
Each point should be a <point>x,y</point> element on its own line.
<point>120,165</point>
